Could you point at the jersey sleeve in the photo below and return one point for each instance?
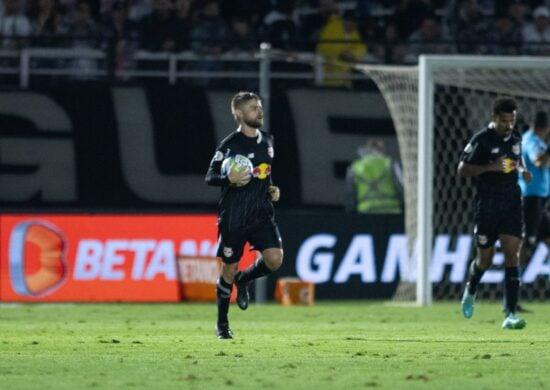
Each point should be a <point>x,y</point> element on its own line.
<point>474,151</point>
<point>214,176</point>
<point>532,149</point>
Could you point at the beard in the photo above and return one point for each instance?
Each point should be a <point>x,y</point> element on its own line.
<point>504,130</point>
<point>255,123</point>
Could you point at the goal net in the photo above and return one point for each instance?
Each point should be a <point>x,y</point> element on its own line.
<point>433,126</point>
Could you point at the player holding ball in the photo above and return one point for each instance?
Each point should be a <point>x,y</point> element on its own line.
<point>245,209</point>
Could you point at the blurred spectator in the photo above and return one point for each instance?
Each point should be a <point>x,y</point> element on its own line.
<point>341,45</point>
<point>374,182</point>
<point>517,11</point>
<point>254,10</point>
<point>184,16</point>
<point>82,26</point>
<point>161,30</point>
<point>505,37</point>
<point>137,9</point>
<point>84,33</point>
<point>210,34</point>
<point>242,44</point>
<point>427,39</point>
<point>46,20</point>
<point>14,25</point>
<point>279,28</point>
<point>210,37</point>
<point>312,23</point>
<point>410,14</point>
<point>472,28</point>
<point>536,35</point>
<point>123,39</point>
<point>243,37</point>
<point>390,50</point>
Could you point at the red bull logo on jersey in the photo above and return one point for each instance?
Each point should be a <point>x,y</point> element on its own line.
<point>509,165</point>
<point>262,171</point>
<point>37,258</point>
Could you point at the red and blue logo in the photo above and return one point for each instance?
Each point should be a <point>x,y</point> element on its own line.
<point>37,258</point>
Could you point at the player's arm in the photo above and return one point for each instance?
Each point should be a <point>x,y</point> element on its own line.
<point>214,176</point>
<point>275,193</point>
<point>538,156</point>
<point>473,160</point>
<point>542,159</point>
<point>522,168</point>
<point>467,170</point>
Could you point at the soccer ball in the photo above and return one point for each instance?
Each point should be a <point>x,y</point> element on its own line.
<point>237,163</point>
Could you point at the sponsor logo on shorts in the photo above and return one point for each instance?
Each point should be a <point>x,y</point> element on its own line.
<point>227,251</point>
<point>482,239</point>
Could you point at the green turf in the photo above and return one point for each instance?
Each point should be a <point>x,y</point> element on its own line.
<point>328,346</point>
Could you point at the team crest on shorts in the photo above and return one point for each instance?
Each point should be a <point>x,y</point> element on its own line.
<point>227,251</point>
<point>482,239</point>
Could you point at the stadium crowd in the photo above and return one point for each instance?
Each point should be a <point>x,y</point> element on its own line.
<point>380,31</point>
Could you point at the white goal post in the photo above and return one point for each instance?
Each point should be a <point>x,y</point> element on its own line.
<point>410,91</point>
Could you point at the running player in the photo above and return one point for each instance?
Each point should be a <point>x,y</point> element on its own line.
<point>493,157</point>
<point>246,212</point>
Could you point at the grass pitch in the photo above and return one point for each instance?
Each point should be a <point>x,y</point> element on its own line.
<point>336,345</point>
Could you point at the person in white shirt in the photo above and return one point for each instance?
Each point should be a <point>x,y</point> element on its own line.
<point>536,35</point>
<point>14,23</point>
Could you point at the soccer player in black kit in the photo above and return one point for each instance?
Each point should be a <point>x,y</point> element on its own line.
<point>493,157</point>
<point>245,209</point>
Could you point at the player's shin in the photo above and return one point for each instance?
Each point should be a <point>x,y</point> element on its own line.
<point>474,276</point>
<point>223,295</point>
<point>511,288</point>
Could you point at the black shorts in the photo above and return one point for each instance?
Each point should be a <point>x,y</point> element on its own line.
<point>537,219</point>
<point>261,235</point>
<point>494,217</point>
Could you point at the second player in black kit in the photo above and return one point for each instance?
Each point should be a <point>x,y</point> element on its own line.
<point>493,157</point>
<point>246,212</point>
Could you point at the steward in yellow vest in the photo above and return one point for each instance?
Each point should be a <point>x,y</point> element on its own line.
<point>375,183</point>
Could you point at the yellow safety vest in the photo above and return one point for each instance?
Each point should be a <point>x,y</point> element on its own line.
<point>375,189</point>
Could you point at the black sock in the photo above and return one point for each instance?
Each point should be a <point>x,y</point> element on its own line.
<point>255,271</point>
<point>474,277</point>
<point>511,288</point>
<point>223,294</point>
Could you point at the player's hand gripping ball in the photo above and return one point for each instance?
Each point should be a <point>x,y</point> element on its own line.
<point>237,163</point>
<point>509,165</point>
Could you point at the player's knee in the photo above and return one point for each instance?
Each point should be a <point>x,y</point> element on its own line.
<point>274,260</point>
<point>229,271</point>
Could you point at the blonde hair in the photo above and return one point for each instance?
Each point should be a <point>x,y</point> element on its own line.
<point>239,99</point>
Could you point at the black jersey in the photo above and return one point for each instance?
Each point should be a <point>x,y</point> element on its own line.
<point>240,207</point>
<point>484,148</point>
